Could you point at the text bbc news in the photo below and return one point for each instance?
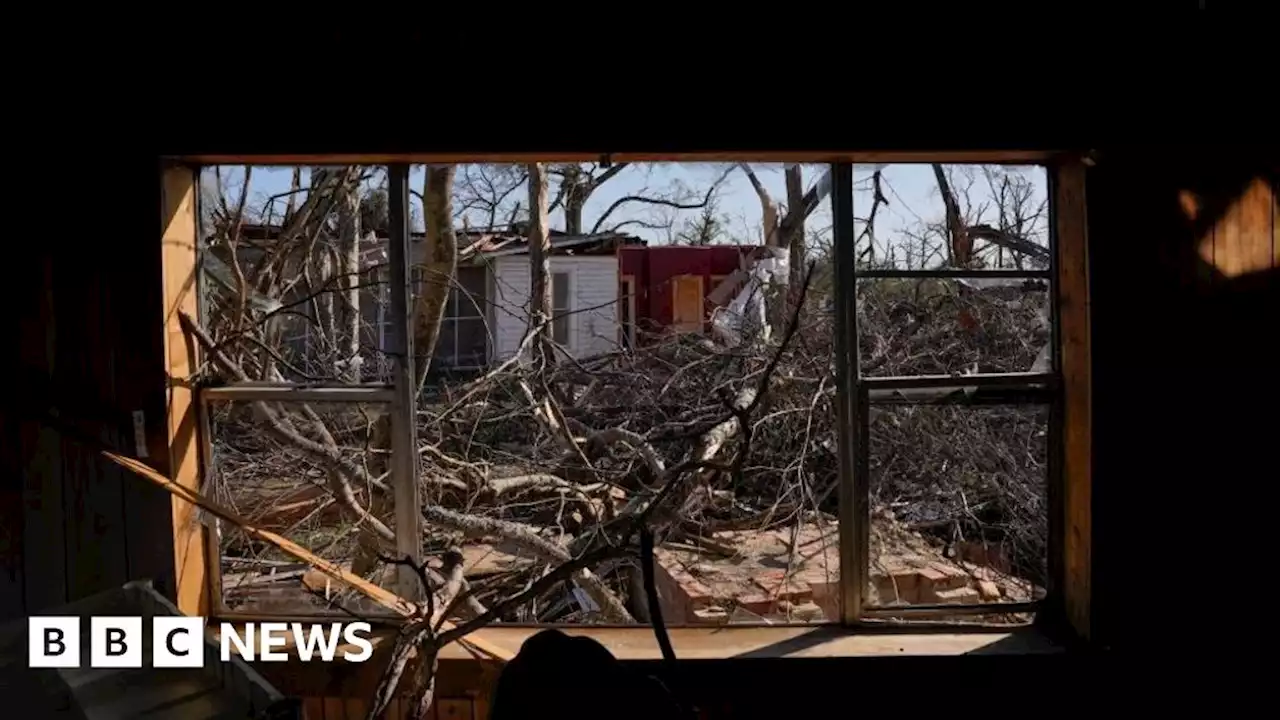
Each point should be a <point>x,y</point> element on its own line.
<point>179,642</point>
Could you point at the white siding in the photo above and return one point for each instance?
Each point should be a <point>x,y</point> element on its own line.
<point>593,284</point>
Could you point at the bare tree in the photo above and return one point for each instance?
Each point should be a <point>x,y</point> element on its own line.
<point>708,228</point>
<point>490,193</point>
<point>795,239</point>
<point>964,237</point>
<point>540,304</point>
<point>576,185</point>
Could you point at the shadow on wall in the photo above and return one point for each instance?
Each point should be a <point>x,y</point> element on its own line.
<point>1185,267</point>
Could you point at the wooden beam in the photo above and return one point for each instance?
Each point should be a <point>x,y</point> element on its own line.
<point>385,598</point>
<point>179,189</point>
<point>1076,540</point>
<point>1011,157</point>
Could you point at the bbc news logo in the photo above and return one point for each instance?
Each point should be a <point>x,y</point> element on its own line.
<point>178,642</point>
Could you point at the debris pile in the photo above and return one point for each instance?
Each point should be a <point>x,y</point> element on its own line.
<point>527,464</point>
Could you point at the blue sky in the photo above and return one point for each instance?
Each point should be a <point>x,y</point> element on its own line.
<point>911,191</point>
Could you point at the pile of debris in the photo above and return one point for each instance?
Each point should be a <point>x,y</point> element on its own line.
<point>524,466</point>
<point>792,575</point>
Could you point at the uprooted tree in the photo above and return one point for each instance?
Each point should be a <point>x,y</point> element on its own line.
<point>551,467</point>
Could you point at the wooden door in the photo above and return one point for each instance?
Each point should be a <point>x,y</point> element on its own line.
<point>687,303</point>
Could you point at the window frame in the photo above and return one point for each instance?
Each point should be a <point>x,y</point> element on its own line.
<point>1067,388</point>
<point>564,317</point>
<point>458,296</point>
<point>627,299</point>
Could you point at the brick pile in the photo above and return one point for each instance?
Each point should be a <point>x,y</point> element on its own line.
<point>753,577</point>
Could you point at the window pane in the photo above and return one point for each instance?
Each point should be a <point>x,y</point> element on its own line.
<point>341,291</point>
<point>446,346</point>
<point>949,327</point>
<point>560,307</point>
<point>560,291</point>
<point>959,508</point>
<point>283,488</point>
<point>471,343</point>
<point>560,329</point>
<point>470,292</point>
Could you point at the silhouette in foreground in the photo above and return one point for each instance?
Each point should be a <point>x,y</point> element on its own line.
<point>558,676</point>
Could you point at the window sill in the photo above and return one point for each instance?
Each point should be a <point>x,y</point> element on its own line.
<point>638,643</point>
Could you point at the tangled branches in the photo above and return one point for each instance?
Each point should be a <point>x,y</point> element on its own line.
<point>528,469</point>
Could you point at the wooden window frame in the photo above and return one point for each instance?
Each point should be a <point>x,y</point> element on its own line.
<point>1070,545</point>
<point>627,330</point>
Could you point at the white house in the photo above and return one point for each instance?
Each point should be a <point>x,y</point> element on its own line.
<point>488,311</point>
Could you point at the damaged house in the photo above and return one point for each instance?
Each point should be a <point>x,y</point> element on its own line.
<point>487,312</point>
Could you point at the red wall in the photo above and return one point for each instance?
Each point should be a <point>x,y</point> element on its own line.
<point>653,267</point>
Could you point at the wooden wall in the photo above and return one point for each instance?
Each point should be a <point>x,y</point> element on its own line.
<point>88,324</point>
<point>1185,267</point>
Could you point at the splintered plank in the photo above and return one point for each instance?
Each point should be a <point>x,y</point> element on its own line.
<point>383,597</point>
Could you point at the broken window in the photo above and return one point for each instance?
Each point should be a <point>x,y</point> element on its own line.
<point>937,445</point>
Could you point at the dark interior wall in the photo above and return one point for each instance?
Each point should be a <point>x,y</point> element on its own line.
<point>90,354</point>
<point>1183,364</point>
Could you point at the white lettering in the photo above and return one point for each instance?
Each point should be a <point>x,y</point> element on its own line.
<point>365,645</point>
<point>307,642</point>
<point>314,641</point>
<point>244,644</point>
<point>270,634</point>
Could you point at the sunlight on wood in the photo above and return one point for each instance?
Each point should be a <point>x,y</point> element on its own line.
<point>1243,240</point>
<point>1190,203</point>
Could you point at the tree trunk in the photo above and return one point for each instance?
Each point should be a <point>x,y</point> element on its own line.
<point>326,322</point>
<point>440,266</point>
<point>576,192</point>
<point>768,209</point>
<point>795,213</point>
<point>349,277</point>
<point>540,302</point>
<point>960,247</point>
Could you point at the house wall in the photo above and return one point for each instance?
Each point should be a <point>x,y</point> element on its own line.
<point>594,292</point>
<point>654,268</point>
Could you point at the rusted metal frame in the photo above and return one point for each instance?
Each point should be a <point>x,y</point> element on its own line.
<point>954,274</point>
<point>213,526</point>
<point>404,444</point>
<point>938,610</point>
<point>1054,493</point>
<point>1017,380</point>
<point>1031,395</point>
<point>853,490</point>
<point>204,434</point>
<point>284,392</point>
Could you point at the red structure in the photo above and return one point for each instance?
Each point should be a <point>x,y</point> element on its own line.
<point>670,287</point>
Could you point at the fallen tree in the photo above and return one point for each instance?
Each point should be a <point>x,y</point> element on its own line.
<point>536,462</point>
